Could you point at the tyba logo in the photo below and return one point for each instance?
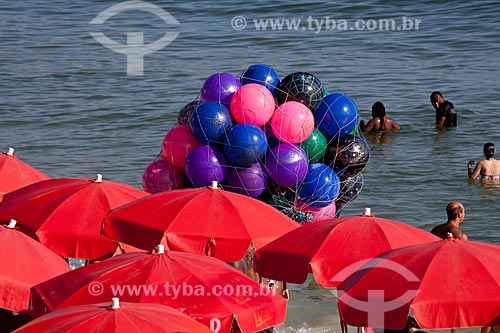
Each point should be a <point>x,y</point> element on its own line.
<point>135,49</point>
<point>376,306</point>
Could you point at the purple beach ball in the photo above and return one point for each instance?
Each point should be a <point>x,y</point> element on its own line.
<point>162,176</point>
<point>286,164</point>
<point>220,87</point>
<point>205,164</point>
<point>251,181</point>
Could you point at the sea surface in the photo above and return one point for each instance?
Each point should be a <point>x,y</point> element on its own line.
<point>69,108</point>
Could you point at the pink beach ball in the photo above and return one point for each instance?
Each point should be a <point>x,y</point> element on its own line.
<point>252,103</point>
<point>177,144</point>
<point>292,122</point>
<point>318,214</point>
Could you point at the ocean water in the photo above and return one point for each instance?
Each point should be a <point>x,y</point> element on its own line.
<point>69,108</point>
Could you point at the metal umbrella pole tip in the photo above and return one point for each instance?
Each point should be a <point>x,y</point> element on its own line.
<point>214,184</point>
<point>11,151</point>
<point>160,249</point>
<point>368,211</point>
<point>98,178</point>
<point>12,224</point>
<point>115,303</point>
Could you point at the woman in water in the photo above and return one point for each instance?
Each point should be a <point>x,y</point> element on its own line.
<point>379,122</point>
<point>489,168</point>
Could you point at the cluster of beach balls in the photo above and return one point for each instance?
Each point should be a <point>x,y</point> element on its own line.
<point>287,142</point>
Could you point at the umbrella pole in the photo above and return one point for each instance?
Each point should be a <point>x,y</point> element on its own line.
<point>343,325</point>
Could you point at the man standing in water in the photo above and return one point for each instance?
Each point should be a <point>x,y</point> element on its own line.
<point>445,110</point>
<point>456,212</point>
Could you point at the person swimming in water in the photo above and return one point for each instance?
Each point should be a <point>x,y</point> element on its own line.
<point>489,168</point>
<point>456,212</point>
<point>379,122</point>
<point>446,115</point>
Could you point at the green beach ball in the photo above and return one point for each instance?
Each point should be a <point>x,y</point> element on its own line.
<point>355,131</point>
<point>315,146</point>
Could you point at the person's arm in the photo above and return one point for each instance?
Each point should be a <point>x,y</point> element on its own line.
<point>440,114</point>
<point>473,174</point>
<point>440,121</point>
<point>486,329</point>
<point>361,124</point>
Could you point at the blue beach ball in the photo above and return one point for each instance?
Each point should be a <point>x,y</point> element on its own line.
<point>209,122</point>
<point>261,74</point>
<point>337,115</point>
<point>245,144</point>
<point>320,186</point>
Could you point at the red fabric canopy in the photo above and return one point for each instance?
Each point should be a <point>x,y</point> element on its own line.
<point>200,286</point>
<point>102,318</point>
<point>332,249</point>
<point>448,284</point>
<point>66,214</point>
<point>23,263</point>
<point>202,220</point>
<point>15,174</point>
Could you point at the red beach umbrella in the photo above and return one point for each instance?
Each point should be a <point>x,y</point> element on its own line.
<point>447,284</point>
<point>15,174</point>
<point>115,318</point>
<point>332,249</point>
<point>24,262</point>
<point>202,220</point>
<point>66,214</point>
<point>202,287</point>
<point>125,248</point>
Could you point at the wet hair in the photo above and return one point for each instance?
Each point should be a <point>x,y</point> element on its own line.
<point>433,96</point>
<point>378,110</point>
<point>489,150</point>
<point>453,211</point>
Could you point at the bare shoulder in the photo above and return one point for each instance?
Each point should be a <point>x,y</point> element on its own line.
<point>482,165</point>
<point>369,126</point>
<point>436,228</point>
<point>394,124</point>
<point>459,234</point>
<point>442,231</point>
<point>439,230</point>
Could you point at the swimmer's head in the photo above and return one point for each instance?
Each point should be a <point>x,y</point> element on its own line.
<point>378,110</point>
<point>455,210</point>
<point>436,99</point>
<point>489,150</point>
